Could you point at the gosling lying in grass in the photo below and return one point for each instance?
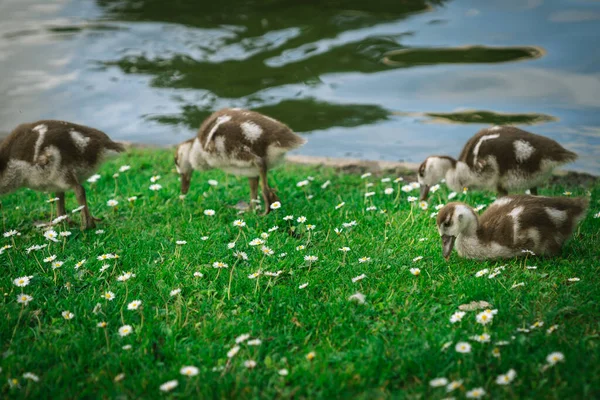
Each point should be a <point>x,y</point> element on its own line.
<point>512,226</point>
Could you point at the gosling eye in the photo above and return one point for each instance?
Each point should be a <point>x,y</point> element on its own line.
<point>447,224</point>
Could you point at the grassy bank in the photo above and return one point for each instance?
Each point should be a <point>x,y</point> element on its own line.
<point>314,342</point>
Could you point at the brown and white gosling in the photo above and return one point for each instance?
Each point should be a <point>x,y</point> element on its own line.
<point>512,226</point>
<point>240,142</point>
<point>500,159</point>
<point>53,156</point>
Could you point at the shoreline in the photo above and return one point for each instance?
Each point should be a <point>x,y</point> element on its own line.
<point>400,168</point>
<point>361,166</point>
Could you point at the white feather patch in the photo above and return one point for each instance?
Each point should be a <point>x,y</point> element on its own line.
<point>523,150</point>
<point>41,130</point>
<point>502,201</point>
<point>80,141</point>
<point>478,145</point>
<point>495,128</point>
<point>251,130</point>
<point>221,120</point>
<point>220,144</point>
<point>557,216</point>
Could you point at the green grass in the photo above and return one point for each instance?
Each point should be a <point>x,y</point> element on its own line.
<point>389,347</point>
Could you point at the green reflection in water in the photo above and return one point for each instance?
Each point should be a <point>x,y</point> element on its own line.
<point>460,55</point>
<point>302,115</point>
<point>488,117</point>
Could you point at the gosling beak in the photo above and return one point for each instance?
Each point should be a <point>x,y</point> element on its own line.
<point>447,245</point>
<point>424,192</point>
<point>185,182</point>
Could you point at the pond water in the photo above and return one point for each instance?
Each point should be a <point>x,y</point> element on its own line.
<point>380,79</point>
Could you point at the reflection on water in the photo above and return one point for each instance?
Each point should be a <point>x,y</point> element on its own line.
<point>382,79</point>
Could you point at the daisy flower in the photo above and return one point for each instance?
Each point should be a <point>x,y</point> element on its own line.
<point>417,258</point>
<point>388,191</point>
<point>31,376</point>
<point>369,194</point>
<point>484,317</point>
<point>463,347</point>
<point>276,205</point>
<point>125,330</point>
<point>326,184</point>
<point>357,297</point>
<point>573,279</point>
<point>180,242</point>
<point>57,264</point>
<point>302,183</point>
<point>344,249</point>
<point>22,281</point>
<point>134,305</point>
<point>155,178</point>
<point>219,264</point>
<point>112,203</point>
<point>175,292</point>
<point>256,242</point>
<point>415,271</point>
<point>108,296</point>
<point>303,285</point>
<point>212,182</point>
<point>132,199</point>
<point>423,205</point>
<point>24,299</point>
<point>198,274</point>
<point>311,258</point>
<point>189,370</point>
<point>555,357</point>
<point>365,175</point>
<point>11,233</point>
<point>254,342</point>
<point>301,219</point>
<point>93,178</point>
<point>507,378</point>
<point>51,235</point>
<point>453,386</point>
<point>438,382</point>
<point>288,218</point>
<point>411,199</point>
<point>249,364</point>
<point>67,315</point>
<point>457,316</point>
<point>209,212</point>
<point>483,338</point>
<point>364,259</point>
<point>234,350</point>
<point>239,223</point>
<point>342,204</point>
<point>482,272</point>
<point>169,385</point>
<point>155,187</point>
<point>101,324</point>
<point>283,372</point>
<point>126,276</point>
<point>476,393</point>
<point>358,278</point>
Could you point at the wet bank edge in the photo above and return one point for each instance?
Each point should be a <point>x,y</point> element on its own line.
<point>380,167</point>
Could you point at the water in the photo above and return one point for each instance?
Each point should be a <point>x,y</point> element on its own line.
<point>379,79</point>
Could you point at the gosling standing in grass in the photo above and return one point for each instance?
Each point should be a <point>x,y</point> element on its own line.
<point>510,225</point>
<point>53,156</point>
<point>500,159</point>
<point>239,142</point>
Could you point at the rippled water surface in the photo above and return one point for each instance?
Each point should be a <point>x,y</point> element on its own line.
<point>379,79</point>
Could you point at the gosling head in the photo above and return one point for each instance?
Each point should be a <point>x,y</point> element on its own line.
<point>432,171</point>
<point>453,220</point>
<point>183,164</point>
